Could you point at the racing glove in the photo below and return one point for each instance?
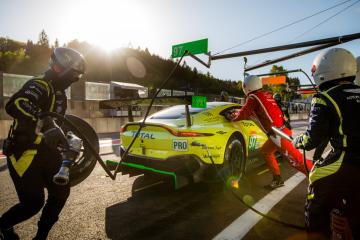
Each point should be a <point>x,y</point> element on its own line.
<point>53,134</point>
<point>300,141</point>
<point>231,115</point>
<point>54,137</point>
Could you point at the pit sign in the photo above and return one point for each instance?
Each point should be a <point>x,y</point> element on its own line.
<point>195,47</point>
<point>180,145</point>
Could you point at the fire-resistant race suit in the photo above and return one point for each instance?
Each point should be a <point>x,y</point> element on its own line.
<point>335,116</point>
<point>31,162</point>
<point>261,107</point>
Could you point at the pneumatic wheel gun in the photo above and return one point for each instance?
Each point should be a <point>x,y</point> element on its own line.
<point>69,155</point>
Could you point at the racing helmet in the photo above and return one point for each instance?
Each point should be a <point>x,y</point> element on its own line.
<point>277,97</point>
<point>333,64</point>
<point>68,65</point>
<point>251,83</point>
<point>224,96</point>
<point>357,79</point>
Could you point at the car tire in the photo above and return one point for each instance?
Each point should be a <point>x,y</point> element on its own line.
<point>86,161</point>
<point>234,158</point>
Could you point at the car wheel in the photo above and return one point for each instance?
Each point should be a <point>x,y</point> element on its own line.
<point>85,162</point>
<point>234,158</point>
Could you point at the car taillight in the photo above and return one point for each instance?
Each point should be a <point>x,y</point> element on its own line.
<point>187,134</point>
<point>192,134</point>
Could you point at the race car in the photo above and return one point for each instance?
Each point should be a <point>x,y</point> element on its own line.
<point>191,144</point>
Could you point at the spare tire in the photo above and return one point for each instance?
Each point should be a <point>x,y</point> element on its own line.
<point>86,161</point>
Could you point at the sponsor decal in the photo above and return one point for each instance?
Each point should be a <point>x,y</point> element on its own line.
<point>32,93</point>
<point>212,119</point>
<point>144,135</point>
<point>247,124</point>
<point>252,142</point>
<point>180,145</point>
<point>213,148</point>
<point>357,90</point>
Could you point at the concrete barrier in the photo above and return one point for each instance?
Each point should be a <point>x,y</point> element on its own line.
<point>299,116</point>
<point>101,125</point>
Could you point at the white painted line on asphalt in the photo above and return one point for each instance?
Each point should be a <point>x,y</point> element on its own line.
<point>243,224</point>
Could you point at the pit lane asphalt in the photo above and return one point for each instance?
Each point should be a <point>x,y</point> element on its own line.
<point>100,208</point>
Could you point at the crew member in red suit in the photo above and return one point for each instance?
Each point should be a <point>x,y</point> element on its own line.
<point>261,107</point>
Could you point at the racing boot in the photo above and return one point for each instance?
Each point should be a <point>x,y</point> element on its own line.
<point>8,234</point>
<point>42,232</point>
<point>276,182</point>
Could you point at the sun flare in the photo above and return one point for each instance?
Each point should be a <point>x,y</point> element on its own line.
<point>109,24</point>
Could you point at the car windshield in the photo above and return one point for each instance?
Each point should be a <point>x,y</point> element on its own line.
<point>178,112</point>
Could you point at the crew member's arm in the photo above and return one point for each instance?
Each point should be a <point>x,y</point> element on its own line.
<point>246,111</point>
<point>286,113</point>
<point>319,125</point>
<point>24,107</point>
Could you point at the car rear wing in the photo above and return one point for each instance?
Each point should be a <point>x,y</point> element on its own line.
<point>158,101</point>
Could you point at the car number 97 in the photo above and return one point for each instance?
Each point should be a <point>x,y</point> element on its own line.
<point>180,145</point>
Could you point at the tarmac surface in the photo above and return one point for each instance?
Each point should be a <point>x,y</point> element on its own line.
<point>100,208</point>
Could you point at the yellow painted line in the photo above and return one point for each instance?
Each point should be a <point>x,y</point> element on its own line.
<point>148,186</point>
<point>264,171</point>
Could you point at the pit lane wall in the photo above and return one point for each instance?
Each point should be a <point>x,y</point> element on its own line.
<point>87,110</point>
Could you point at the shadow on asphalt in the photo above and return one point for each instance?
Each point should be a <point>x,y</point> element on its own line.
<point>197,211</point>
<point>162,213</point>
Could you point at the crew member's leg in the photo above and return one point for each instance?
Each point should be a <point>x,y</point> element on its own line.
<point>296,159</point>
<point>317,209</point>
<point>268,151</point>
<point>57,195</point>
<point>30,190</point>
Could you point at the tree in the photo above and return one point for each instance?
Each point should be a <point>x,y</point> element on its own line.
<point>43,39</point>
<point>276,68</point>
<point>32,58</point>
<point>283,88</point>
<point>9,59</point>
<point>56,43</point>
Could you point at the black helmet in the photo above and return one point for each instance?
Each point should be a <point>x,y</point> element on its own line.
<point>277,97</point>
<point>68,64</point>
<point>224,96</point>
<point>67,59</point>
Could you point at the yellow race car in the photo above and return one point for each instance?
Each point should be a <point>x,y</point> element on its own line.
<point>184,143</point>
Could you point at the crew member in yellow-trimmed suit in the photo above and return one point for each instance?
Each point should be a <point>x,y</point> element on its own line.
<point>334,115</point>
<point>32,154</point>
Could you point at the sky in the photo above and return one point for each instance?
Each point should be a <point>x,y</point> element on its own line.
<point>159,24</point>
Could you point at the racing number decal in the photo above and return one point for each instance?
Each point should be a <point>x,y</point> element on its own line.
<point>252,142</point>
<point>180,145</point>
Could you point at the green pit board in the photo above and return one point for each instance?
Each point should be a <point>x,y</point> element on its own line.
<point>195,47</point>
<point>198,101</point>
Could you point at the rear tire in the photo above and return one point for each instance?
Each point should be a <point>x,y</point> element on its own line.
<point>234,158</point>
<point>86,161</point>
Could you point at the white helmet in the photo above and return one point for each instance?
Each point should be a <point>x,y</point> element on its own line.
<point>357,79</point>
<point>251,83</point>
<point>332,64</point>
